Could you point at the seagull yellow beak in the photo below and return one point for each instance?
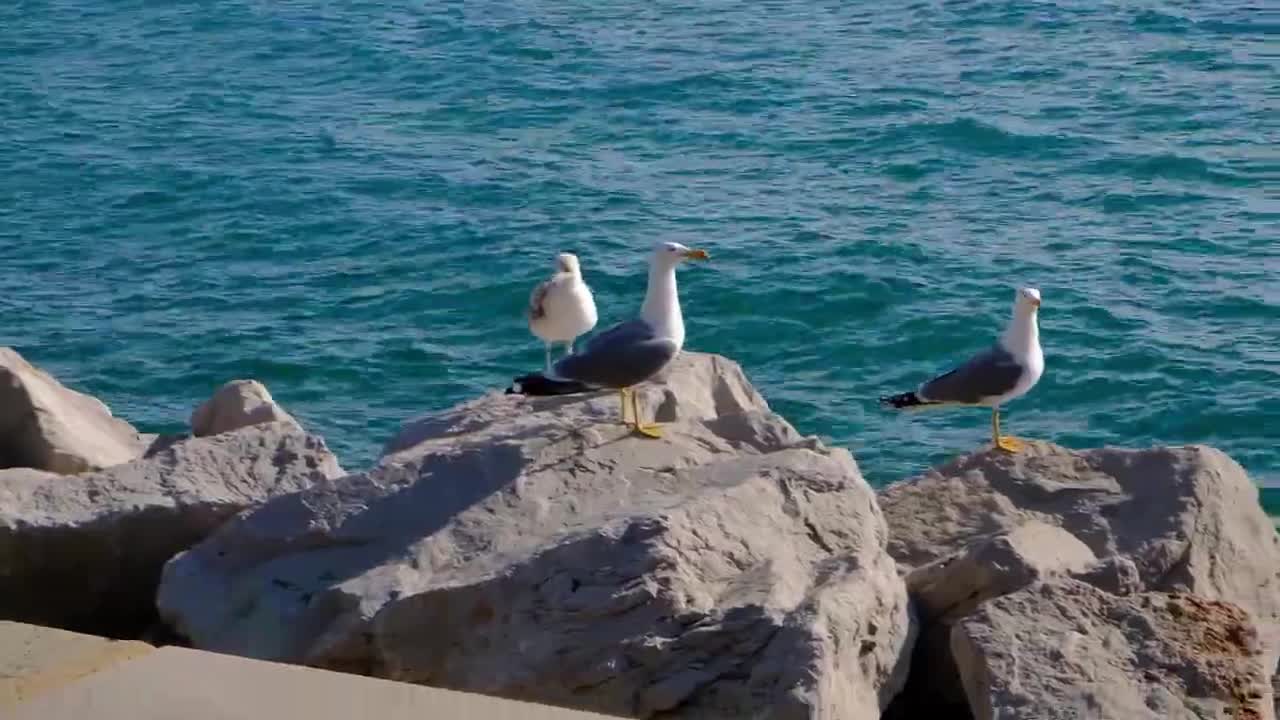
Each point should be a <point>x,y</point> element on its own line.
<point>697,255</point>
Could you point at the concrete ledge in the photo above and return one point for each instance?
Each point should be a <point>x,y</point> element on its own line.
<point>64,676</point>
<point>35,660</point>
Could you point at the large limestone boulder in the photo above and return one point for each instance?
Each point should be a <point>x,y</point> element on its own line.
<point>46,426</point>
<point>237,404</point>
<point>950,588</point>
<point>534,549</point>
<point>1167,519</point>
<point>84,552</point>
<point>1188,518</point>
<point>1066,650</point>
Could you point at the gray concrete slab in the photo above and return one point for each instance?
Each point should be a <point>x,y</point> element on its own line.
<point>35,660</point>
<point>173,683</point>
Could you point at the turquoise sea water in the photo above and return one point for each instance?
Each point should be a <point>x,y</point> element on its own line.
<point>351,201</point>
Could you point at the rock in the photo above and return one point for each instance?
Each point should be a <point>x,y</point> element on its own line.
<point>534,549</point>
<point>1065,649</point>
<point>46,426</point>
<point>1188,519</point>
<point>1116,574</point>
<point>950,588</point>
<point>84,552</point>
<point>695,386</point>
<point>1171,519</point>
<point>159,443</point>
<point>237,404</point>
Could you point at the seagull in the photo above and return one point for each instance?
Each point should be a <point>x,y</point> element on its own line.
<point>627,353</point>
<point>1007,370</point>
<point>561,307</point>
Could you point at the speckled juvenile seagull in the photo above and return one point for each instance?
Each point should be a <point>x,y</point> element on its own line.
<point>627,353</point>
<point>561,307</point>
<point>1005,371</point>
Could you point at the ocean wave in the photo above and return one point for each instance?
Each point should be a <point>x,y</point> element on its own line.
<point>980,138</point>
<point>1166,166</point>
<point>1119,202</point>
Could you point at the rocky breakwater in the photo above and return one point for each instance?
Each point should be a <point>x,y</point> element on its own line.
<point>90,509</point>
<point>532,548</point>
<point>536,549</point>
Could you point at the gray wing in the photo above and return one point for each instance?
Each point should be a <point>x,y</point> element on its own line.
<point>629,331</point>
<point>535,309</point>
<point>988,374</point>
<point>623,355</point>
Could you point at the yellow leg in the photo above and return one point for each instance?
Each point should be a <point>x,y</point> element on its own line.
<point>624,399</point>
<point>1008,443</point>
<point>647,429</point>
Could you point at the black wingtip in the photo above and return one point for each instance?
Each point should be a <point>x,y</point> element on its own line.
<point>902,400</point>
<point>539,384</point>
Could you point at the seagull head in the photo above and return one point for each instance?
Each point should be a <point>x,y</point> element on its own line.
<point>673,253</point>
<point>568,263</point>
<point>1029,298</point>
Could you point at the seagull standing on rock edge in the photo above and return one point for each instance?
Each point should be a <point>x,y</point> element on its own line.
<point>627,353</point>
<point>1007,370</point>
<point>561,307</point>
